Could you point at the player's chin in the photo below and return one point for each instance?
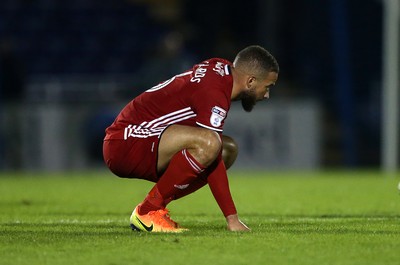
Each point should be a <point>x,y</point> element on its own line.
<point>248,105</point>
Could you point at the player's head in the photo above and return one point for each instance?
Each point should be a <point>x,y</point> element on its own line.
<point>260,69</point>
<point>256,60</point>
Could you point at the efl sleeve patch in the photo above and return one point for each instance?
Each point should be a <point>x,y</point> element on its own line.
<point>217,116</point>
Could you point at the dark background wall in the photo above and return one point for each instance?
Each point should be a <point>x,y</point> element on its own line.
<point>328,50</point>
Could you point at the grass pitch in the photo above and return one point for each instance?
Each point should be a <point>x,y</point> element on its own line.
<point>296,218</point>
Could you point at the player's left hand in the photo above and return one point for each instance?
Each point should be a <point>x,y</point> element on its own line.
<point>234,224</point>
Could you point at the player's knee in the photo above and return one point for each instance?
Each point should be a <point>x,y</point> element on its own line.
<point>210,146</point>
<point>229,151</point>
<point>229,145</point>
<point>213,143</point>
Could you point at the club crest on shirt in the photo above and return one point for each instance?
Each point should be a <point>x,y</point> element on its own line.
<point>217,116</point>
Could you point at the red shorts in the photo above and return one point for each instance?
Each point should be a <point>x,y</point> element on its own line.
<point>133,157</point>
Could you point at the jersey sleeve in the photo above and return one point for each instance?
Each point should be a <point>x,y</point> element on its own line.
<point>219,186</point>
<point>211,105</point>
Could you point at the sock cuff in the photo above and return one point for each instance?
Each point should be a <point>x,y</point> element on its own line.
<point>193,162</point>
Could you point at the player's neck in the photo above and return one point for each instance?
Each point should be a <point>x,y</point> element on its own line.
<point>238,83</point>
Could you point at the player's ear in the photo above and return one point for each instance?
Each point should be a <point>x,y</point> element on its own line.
<point>251,80</point>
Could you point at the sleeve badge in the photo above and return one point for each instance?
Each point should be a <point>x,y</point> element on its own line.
<point>217,116</point>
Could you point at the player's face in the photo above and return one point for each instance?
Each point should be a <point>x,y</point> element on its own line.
<point>258,89</point>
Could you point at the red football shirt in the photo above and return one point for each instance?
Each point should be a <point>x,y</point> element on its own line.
<point>198,97</point>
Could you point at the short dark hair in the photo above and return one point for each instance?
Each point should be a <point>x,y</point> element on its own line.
<point>256,59</point>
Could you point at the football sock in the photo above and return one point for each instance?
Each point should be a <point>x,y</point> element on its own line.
<point>217,178</point>
<point>195,185</point>
<point>152,202</point>
<point>181,171</point>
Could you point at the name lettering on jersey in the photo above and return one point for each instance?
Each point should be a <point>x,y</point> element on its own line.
<point>199,73</point>
<point>217,116</point>
<point>219,68</point>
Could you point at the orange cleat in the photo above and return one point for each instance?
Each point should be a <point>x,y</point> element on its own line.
<point>154,221</point>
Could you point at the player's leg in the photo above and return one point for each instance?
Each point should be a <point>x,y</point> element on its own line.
<point>229,155</point>
<point>172,142</point>
<point>183,154</point>
<point>203,145</point>
<point>229,151</point>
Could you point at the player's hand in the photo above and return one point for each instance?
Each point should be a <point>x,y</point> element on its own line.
<point>234,224</point>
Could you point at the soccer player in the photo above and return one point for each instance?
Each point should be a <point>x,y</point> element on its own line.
<point>172,135</point>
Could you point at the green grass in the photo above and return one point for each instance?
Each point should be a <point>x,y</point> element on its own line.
<point>296,218</point>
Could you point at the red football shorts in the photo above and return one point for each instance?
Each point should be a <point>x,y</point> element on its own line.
<point>133,157</point>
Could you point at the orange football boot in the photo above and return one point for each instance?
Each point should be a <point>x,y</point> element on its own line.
<point>154,221</point>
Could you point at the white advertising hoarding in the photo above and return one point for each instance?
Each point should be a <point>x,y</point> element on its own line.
<point>276,135</point>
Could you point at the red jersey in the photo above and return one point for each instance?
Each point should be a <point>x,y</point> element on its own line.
<point>198,97</point>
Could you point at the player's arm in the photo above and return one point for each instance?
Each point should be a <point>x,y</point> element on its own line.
<point>219,186</point>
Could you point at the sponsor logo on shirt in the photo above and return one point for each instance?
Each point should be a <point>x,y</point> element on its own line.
<point>217,116</point>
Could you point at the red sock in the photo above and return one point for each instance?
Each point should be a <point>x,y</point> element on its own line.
<point>196,184</point>
<point>152,202</point>
<point>182,170</point>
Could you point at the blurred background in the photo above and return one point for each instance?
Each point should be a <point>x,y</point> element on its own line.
<point>67,68</point>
